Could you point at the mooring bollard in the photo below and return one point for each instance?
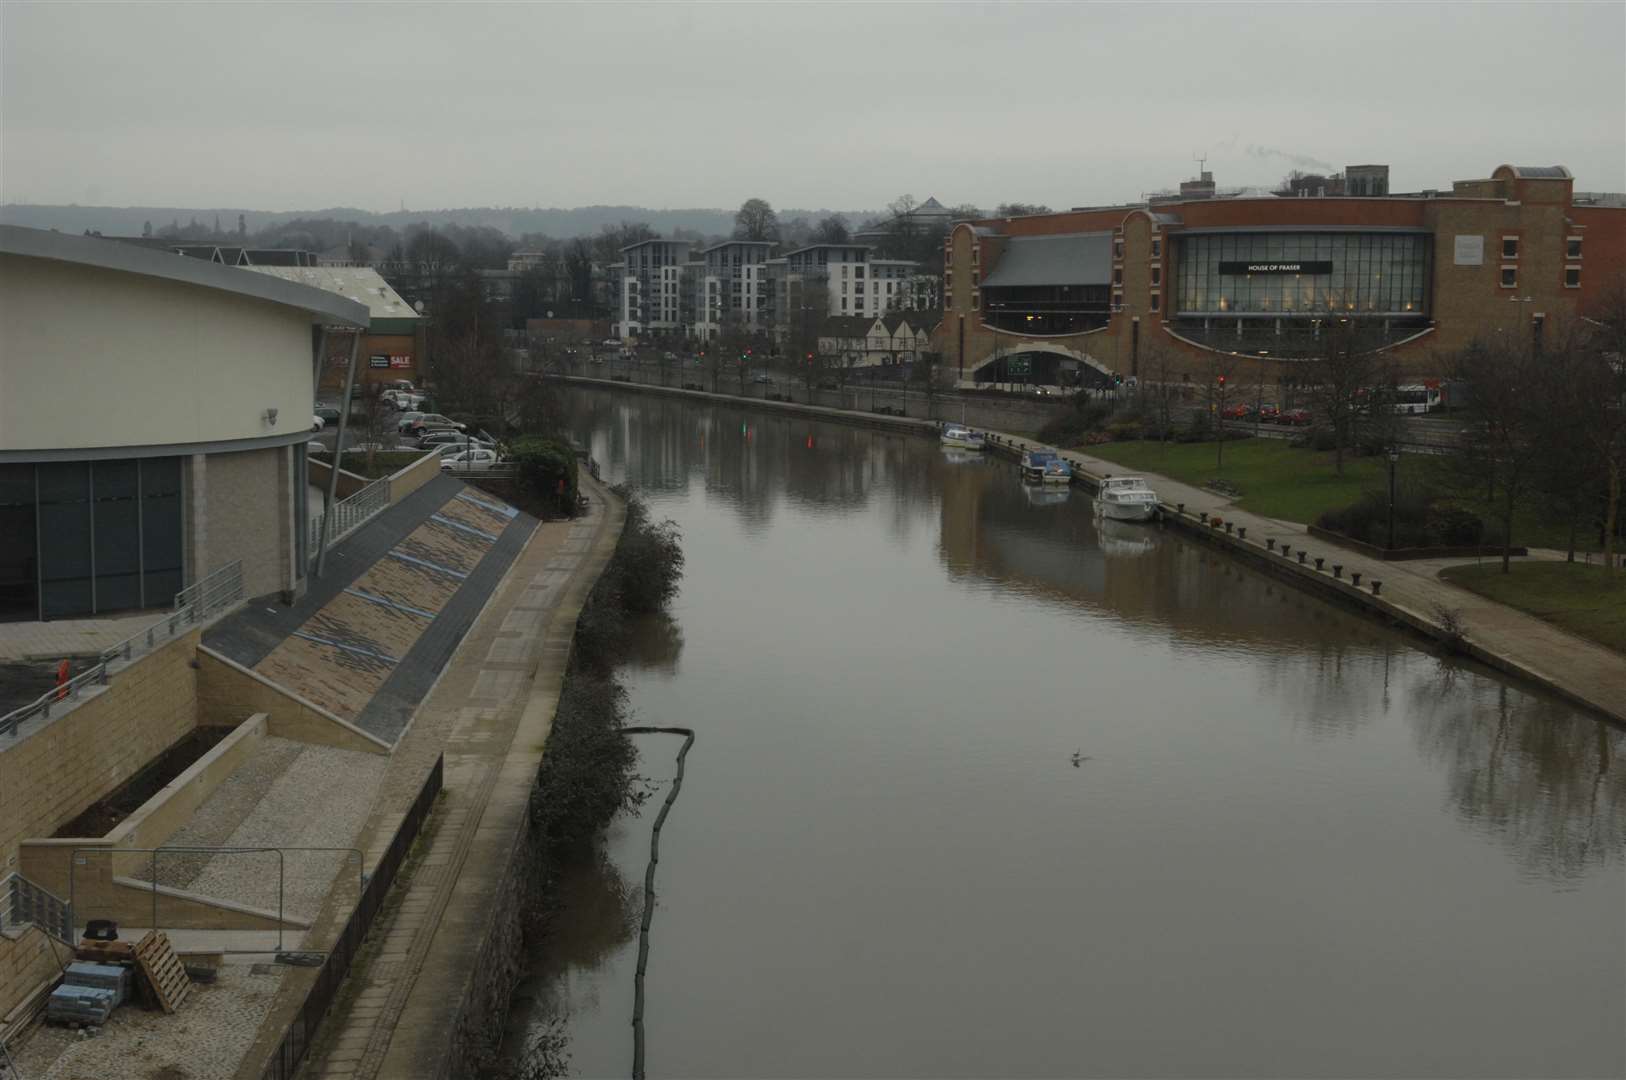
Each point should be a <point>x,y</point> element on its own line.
<point>1242,533</point>
<point>1286,551</point>
<point>1228,526</point>
<point>1179,508</point>
<point>1318,563</point>
<point>1270,543</point>
<point>1355,578</point>
<point>1338,570</point>
<point>1376,585</point>
<point>1301,557</point>
<point>1203,517</point>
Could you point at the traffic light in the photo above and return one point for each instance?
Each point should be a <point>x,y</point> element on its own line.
<point>1222,380</point>
<point>1117,380</point>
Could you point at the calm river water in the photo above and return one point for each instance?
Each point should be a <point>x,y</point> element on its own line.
<point>1292,844</point>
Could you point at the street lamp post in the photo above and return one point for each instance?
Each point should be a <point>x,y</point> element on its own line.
<point>1394,459</point>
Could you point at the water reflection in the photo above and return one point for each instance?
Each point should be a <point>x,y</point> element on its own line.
<point>1547,789</point>
<point>1297,847</point>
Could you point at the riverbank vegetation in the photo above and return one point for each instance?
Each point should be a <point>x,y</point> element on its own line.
<point>589,765</point>
<point>1586,600</point>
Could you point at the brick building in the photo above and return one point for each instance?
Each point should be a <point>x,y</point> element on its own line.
<point>1195,280</point>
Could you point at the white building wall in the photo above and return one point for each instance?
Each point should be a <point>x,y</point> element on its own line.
<point>97,358</point>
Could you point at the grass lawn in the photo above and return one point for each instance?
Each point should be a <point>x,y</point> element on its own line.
<point>1587,601</point>
<point>1275,479</point>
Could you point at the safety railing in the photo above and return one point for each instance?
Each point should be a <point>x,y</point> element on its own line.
<point>198,602</point>
<point>351,513</point>
<point>24,904</point>
<point>301,1032</point>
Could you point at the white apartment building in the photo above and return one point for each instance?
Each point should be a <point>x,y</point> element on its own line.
<point>731,277</point>
<point>653,300</point>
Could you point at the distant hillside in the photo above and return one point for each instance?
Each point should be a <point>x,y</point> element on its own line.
<point>514,221</point>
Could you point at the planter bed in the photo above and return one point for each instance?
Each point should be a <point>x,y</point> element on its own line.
<point>1401,554</point>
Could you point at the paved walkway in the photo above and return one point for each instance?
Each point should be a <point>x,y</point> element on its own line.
<point>490,714</point>
<point>1577,668</point>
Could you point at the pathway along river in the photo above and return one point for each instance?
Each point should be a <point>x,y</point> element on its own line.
<point>1294,844</point>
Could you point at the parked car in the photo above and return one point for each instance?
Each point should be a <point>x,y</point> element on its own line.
<point>448,449</point>
<point>469,460</point>
<point>1295,417</point>
<point>328,414</point>
<point>318,423</point>
<point>406,419</point>
<point>762,377</point>
<point>428,420</point>
<point>441,436</point>
<point>1268,412</point>
<point>1235,412</point>
<point>403,400</point>
<point>612,343</point>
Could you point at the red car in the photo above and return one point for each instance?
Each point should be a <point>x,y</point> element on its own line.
<point>1235,412</point>
<point>1296,417</point>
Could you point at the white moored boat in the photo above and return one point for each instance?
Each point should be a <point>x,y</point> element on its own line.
<point>1126,498</point>
<point>963,437</point>
<point>1045,467</point>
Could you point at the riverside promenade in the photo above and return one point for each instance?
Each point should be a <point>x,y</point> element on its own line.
<point>490,713</point>
<point>1412,593</point>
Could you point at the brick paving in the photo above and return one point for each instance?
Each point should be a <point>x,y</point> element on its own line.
<point>483,697</point>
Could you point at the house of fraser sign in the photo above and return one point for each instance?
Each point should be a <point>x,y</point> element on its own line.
<point>1297,267</point>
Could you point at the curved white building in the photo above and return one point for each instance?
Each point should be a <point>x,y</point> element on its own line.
<point>153,415</point>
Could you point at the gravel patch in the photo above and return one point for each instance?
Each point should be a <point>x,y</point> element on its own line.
<point>321,799</point>
<point>223,812</point>
<point>205,1040</point>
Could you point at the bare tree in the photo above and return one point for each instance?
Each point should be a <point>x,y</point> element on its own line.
<point>375,415</point>
<point>1161,393</point>
<point>1347,368</point>
<point>756,220</point>
<point>831,230</point>
<point>926,371</point>
<point>1507,424</point>
<point>1020,209</point>
<point>1600,397</point>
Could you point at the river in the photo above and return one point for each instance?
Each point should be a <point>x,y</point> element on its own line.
<point>985,788</point>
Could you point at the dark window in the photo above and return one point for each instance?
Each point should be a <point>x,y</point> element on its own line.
<point>64,517</point>
<point>19,557</point>
<point>1117,249</point>
<point>1157,248</point>
<point>117,535</point>
<point>1510,247</point>
<point>1510,277</point>
<point>1157,275</point>
<point>1156,302</point>
<point>1572,277</point>
<point>1117,276</point>
<point>1572,248</point>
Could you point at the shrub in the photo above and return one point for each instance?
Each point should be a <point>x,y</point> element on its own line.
<point>541,465</point>
<point>1420,521</point>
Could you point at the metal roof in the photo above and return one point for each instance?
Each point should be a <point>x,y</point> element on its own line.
<point>1540,172</point>
<point>1069,259</point>
<point>362,284</point>
<point>731,243</point>
<point>95,252</point>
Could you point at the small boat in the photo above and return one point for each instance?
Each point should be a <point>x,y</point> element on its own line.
<point>963,437</point>
<point>1126,498</point>
<point>1045,467</point>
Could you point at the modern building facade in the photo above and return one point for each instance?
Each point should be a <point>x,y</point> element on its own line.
<point>392,347</point>
<point>652,299</point>
<point>1190,280</point>
<point>730,283</point>
<point>154,412</point>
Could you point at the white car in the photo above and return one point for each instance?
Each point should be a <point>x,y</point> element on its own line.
<point>469,460</point>
<point>317,423</point>
<point>446,450</point>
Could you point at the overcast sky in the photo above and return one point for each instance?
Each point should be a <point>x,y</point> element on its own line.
<point>303,106</point>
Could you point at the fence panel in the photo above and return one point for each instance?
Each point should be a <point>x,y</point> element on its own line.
<point>302,1030</point>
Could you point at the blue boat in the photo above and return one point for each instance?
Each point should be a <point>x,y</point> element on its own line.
<point>1045,467</point>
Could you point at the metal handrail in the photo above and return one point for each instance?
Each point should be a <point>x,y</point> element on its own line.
<point>23,903</point>
<point>351,513</point>
<point>201,600</point>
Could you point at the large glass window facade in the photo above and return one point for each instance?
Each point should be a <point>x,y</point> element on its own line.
<point>89,537</point>
<point>1276,275</point>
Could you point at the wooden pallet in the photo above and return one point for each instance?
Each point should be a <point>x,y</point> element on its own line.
<point>163,970</point>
